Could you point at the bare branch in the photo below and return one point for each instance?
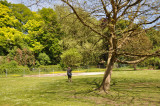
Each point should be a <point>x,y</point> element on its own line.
<point>105,9</point>
<point>114,9</point>
<point>122,6</point>
<point>36,3</point>
<point>124,12</point>
<point>151,21</point>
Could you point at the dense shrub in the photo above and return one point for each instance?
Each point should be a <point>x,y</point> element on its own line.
<point>12,68</point>
<point>22,57</point>
<point>71,58</point>
<point>44,59</point>
<point>2,59</point>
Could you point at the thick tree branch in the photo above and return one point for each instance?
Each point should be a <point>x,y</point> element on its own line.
<point>151,22</point>
<point>114,9</point>
<point>155,54</point>
<point>132,62</point>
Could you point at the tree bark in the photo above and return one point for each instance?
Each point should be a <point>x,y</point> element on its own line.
<point>105,85</point>
<point>135,66</point>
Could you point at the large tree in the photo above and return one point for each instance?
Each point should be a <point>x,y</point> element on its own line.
<point>141,15</point>
<point>10,37</point>
<point>52,34</point>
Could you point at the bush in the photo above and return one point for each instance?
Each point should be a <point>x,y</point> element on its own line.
<point>12,68</point>
<point>71,58</point>
<point>22,57</point>
<point>44,59</point>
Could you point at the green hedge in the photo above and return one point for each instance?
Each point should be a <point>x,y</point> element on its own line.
<point>13,68</point>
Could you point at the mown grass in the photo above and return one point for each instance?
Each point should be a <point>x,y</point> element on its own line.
<point>127,88</point>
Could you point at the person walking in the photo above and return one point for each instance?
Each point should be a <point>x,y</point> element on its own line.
<point>69,74</point>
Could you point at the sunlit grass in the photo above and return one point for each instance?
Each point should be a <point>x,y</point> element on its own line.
<point>127,88</point>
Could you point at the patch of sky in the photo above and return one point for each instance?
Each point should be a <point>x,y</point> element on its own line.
<point>34,5</point>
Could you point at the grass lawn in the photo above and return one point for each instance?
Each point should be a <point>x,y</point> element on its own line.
<point>127,88</point>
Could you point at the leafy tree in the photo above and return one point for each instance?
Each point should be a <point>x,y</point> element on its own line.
<point>22,13</point>
<point>153,34</point>
<point>5,2</point>
<point>79,37</point>
<point>7,19</point>
<point>10,65</point>
<point>34,29</point>
<point>44,34</point>
<point>22,56</point>
<point>10,38</point>
<point>71,58</point>
<point>43,59</point>
<point>52,34</point>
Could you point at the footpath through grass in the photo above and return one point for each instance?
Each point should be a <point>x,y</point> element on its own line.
<point>127,88</point>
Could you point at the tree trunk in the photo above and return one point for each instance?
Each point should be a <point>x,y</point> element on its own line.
<point>105,85</point>
<point>135,66</point>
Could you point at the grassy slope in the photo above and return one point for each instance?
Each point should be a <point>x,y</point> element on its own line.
<point>127,88</point>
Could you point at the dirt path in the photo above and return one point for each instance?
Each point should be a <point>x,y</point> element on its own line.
<point>64,74</point>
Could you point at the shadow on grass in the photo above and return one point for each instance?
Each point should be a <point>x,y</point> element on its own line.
<point>79,86</point>
<point>130,90</point>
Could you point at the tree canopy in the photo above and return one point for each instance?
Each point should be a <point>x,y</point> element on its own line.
<point>36,31</point>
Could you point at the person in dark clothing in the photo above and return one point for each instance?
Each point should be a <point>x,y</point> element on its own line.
<point>69,74</point>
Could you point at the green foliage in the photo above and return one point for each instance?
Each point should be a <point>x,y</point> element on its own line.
<point>44,34</point>
<point>136,44</point>
<point>7,19</point>
<point>13,68</point>
<point>152,63</point>
<point>21,28</point>
<point>71,57</point>
<point>4,2</point>
<point>22,57</point>
<point>5,66</point>
<point>34,29</point>
<point>22,13</point>
<point>49,16</point>
<point>52,34</point>
<point>44,59</point>
<point>78,36</point>
<point>10,38</point>
<point>154,36</point>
